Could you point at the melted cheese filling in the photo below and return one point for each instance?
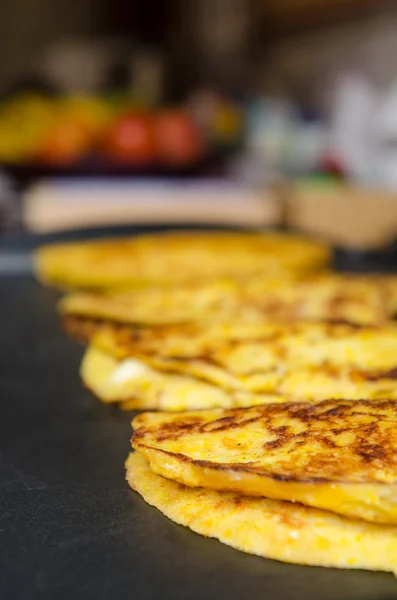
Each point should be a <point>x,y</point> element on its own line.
<point>114,380</point>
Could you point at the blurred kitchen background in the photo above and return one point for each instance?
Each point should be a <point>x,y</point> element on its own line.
<point>231,112</point>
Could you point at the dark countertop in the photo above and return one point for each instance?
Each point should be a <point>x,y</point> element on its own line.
<point>70,525</point>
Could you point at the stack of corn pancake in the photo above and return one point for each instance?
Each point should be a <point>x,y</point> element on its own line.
<point>277,378</point>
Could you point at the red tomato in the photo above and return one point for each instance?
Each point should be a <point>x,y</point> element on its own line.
<point>66,142</point>
<point>177,138</point>
<point>130,139</point>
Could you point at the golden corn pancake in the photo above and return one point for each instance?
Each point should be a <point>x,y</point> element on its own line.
<point>220,299</point>
<point>327,297</point>
<point>283,531</point>
<point>337,455</point>
<point>249,349</point>
<point>176,258</point>
<point>184,367</point>
<point>138,386</point>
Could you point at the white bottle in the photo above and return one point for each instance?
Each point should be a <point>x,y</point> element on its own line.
<point>386,139</point>
<point>352,117</point>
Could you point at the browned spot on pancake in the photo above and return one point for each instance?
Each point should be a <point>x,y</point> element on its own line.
<point>288,519</point>
<point>352,324</point>
<point>176,429</point>
<point>253,372</point>
<point>80,328</point>
<point>83,329</point>
<point>203,358</point>
<point>225,424</point>
<point>371,452</point>
<point>277,443</point>
<point>336,430</point>
<point>359,376</point>
<point>374,376</point>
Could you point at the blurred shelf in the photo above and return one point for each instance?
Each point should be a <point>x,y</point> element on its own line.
<point>281,18</point>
